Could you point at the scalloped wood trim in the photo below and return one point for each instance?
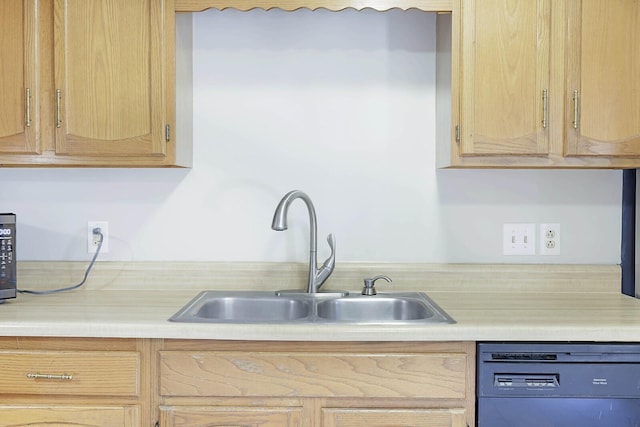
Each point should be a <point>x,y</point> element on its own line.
<point>333,5</point>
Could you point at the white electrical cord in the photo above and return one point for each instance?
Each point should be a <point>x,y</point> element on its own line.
<point>84,279</point>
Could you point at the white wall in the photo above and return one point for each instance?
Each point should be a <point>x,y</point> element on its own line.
<point>340,105</point>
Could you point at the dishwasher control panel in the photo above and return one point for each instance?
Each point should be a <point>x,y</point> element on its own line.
<point>524,380</point>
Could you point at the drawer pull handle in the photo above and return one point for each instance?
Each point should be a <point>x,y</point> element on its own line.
<point>28,107</point>
<point>38,376</point>
<point>545,108</point>
<point>576,109</point>
<point>58,108</point>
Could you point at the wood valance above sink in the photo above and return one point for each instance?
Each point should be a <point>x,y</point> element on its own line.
<point>335,5</point>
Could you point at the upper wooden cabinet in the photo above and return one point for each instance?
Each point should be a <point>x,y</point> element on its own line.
<point>110,72</point>
<point>540,83</point>
<point>603,78</point>
<point>543,84</point>
<point>99,89</point>
<point>19,81</point>
<point>505,77</point>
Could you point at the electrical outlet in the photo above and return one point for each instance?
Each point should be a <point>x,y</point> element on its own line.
<point>94,239</point>
<point>549,239</point>
<point>519,239</point>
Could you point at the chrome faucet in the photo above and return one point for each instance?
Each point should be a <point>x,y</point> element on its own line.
<point>317,276</point>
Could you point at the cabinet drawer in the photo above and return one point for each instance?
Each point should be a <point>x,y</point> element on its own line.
<point>87,373</point>
<point>56,415</point>
<point>212,373</point>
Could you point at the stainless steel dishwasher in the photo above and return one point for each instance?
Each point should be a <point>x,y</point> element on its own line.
<point>558,385</point>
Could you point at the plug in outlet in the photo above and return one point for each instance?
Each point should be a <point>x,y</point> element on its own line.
<point>519,239</point>
<point>94,239</point>
<point>549,239</point>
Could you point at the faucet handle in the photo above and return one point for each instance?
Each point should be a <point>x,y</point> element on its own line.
<point>327,267</point>
<point>370,285</point>
<point>330,262</point>
<point>332,244</point>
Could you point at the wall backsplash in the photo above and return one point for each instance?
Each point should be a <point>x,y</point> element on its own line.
<point>340,105</point>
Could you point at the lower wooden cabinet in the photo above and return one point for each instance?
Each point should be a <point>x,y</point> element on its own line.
<point>384,417</point>
<point>71,416</point>
<point>316,384</point>
<point>93,382</point>
<point>230,416</point>
<point>293,417</point>
<point>77,382</point>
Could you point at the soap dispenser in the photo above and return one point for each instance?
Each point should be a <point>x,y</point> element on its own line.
<point>370,285</point>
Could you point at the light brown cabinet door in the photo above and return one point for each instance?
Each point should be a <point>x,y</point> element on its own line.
<point>72,416</point>
<point>355,417</point>
<point>110,77</point>
<point>504,72</point>
<point>18,79</point>
<point>603,78</point>
<point>230,416</point>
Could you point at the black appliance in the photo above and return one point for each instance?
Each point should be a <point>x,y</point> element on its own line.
<point>8,282</point>
<point>558,385</point>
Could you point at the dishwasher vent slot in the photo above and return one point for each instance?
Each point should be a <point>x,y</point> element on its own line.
<point>524,356</point>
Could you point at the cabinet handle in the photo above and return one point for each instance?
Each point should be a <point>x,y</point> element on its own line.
<point>39,376</point>
<point>28,106</point>
<point>576,97</point>
<point>545,107</point>
<point>58,108</point>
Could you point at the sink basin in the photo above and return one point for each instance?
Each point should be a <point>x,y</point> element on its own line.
<point>333,308</point>
<point>259,309</point>
<point>243,307</point>
<point>373,309</point>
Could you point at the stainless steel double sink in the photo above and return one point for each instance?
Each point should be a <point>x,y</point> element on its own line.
<point>295,308</point>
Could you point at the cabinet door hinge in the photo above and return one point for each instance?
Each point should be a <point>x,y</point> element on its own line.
<point>457,134</point>
<point>167,133</point>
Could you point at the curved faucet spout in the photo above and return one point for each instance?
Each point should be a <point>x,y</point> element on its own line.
<point>316,276</point>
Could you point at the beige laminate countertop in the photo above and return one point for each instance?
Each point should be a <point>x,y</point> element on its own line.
<point>481,313</point>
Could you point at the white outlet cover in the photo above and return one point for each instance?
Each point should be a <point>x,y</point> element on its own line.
<point>550,239</point>
<point>519,239</point>
<point>104,226</point>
